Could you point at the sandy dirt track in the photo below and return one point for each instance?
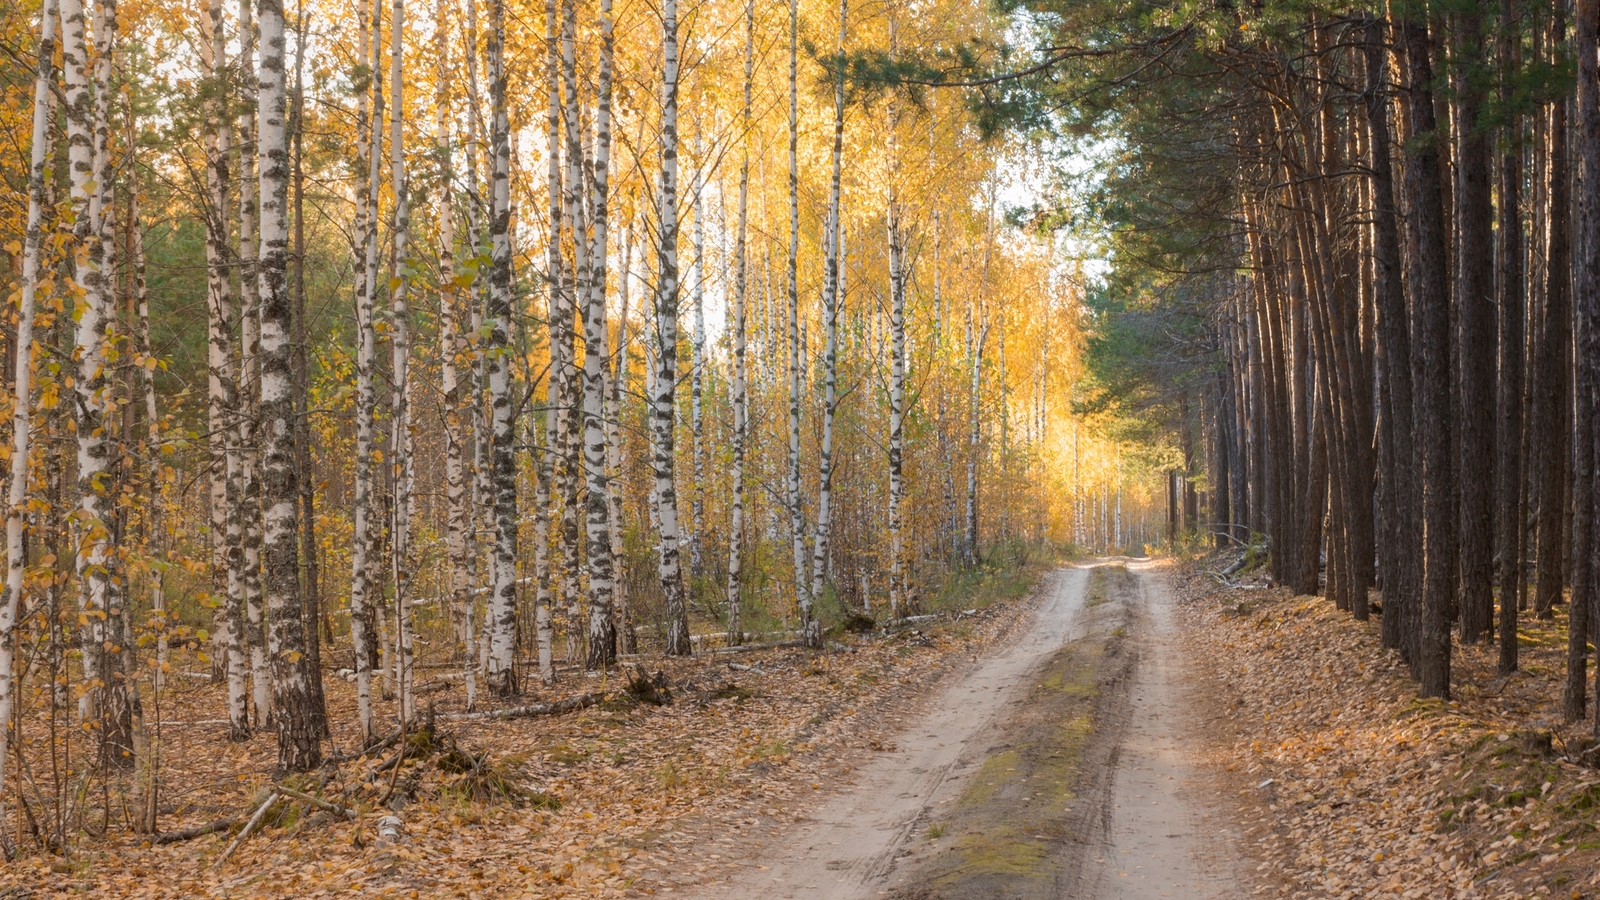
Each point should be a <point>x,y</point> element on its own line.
<point>1152,832</point>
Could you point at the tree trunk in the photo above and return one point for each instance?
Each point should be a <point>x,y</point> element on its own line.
<point>228,659</point>
<point>832,301</point>
<point>1475,362</point>
<point>665,394</point>
<point>501,674</point>
<point>40,153</point>
<point>249,382</point>
<point>1430,285</point>
<point>361,565</point>
<point>399,373</point>
<point>602,635</point>
<point>1552,407</point>
<point>797,533</point>
<point>295,715</point>
<point>1510,477</point>
<point>453,351</point>
<point>106,702</point>
<point>1585,48</point>
<point>741,400</point>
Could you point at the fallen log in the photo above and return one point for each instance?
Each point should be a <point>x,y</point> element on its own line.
<point>527,712</point>
<point>194,831</point>
<point>747,648</point>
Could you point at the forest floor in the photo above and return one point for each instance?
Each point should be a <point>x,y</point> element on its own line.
<point>1350,786</point>
<point>588,803</point>
<point>1127,731</point>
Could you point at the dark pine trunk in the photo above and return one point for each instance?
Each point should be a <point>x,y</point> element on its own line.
<point>1429,283</point>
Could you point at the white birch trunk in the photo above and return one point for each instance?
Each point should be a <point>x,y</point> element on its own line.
<point>399,372</point>
<point>249,384</point>
<point>228,622</point>
<point>602,633</point>
<point>574,295</point>
<point>453,351</point>
<point>832,300</point>
<point>501,675</point>
<point>366,230</point>
<point>670,568</point>
<point>797,530</point>
<point>741,400</point>
<point>697,375</point>
<point>897,401</point>
<point>975,341</point>
<point>480,491</point>
<point>621,613</point>
<point>21,411</point>
<point>104,700</point>
<point>157,479</point>
<point>295,716</point>
<point>545,462</point>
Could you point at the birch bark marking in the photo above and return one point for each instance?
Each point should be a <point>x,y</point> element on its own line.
<point>249,461</point>
<point>797,532</point>
<point>670,569</point>
<point>741,400</point>
<point>502,675</point>
<point>602,630</point>
<point>811,627</point>
<point>366,253</point>
<point>104,703</point>
<point>697,375</point>
<point>575,288</point>
<point>480,491</point>
<point>614,455</point>
<point>897,362</point>
<point>544,462</point>
<point>295,713</point>
<point>459,538</point>
<point>21,411</point>
<point>976,338</point>
<point>399,368</point>
<point>228,620</point>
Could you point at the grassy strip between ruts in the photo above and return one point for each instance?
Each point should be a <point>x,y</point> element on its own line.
<point>1010,832</point>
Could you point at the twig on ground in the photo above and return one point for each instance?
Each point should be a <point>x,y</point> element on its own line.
<point>250,826</point>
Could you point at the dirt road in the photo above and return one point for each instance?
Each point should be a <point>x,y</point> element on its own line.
<point>984,760</point>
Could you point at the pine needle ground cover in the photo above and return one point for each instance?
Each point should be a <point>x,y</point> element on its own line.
<point>1350,786</point>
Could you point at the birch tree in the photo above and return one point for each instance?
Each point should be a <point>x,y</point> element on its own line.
<point>602,632</point>
<point>366,280</point>
<point>459,537</point>
<point>501,675</point>
<point>831,302</point>
<point>40,151</point>
<point>249,457</point>
<point>295,714</point>
<point>545,462</point>
<point>797,531</point>
<point>697,365</point>
<point>666,380</point>
<point>615,457</point>
<point>104,704</point>
<point>221,390</point>
<point>399,370</point>
<point>741,400</point>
